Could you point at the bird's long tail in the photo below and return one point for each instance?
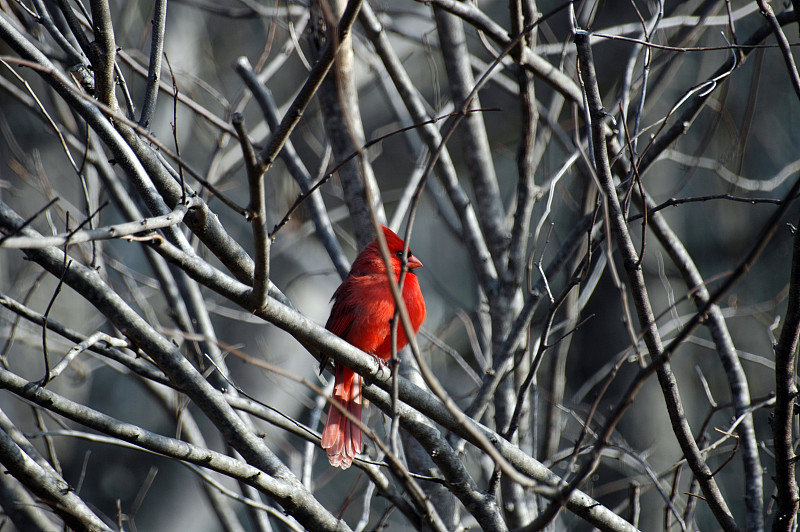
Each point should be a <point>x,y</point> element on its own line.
<point>341,437</point>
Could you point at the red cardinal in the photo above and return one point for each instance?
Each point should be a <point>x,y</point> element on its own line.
<point>362,309</point>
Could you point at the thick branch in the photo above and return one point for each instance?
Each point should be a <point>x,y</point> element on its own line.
<point>154,69</point>
<point>104,54</point>
<point>47,486</point>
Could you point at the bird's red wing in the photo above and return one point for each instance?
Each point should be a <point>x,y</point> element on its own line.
<point>340,323</point>
<point>342,313</point>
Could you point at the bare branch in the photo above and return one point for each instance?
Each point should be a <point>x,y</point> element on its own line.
<point>268,155</point>
<point>788,496</point>
<point>104,53</point>
<point>641,300</point>
<point>154,69</point>
<point>322,222</point>
<point>45,484</point>
<point>257,215</point>
<point>309,511</point>
<point>118,231</point>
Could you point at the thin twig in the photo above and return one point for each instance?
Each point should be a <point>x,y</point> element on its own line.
<point>256,215</point>
<point>304,195</point>
<point>47,372</point>
<point>174,127</point>
<point>118,231</point>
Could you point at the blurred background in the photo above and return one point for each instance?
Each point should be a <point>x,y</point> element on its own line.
<point>735,162</point>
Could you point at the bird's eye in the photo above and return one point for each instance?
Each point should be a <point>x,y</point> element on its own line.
<point>399,254</point>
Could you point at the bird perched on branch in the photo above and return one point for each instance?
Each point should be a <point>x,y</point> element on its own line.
<point>363,308</point>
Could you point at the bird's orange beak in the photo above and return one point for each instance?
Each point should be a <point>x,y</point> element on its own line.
<point>413,262</point>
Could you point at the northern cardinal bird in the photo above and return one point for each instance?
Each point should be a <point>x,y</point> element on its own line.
<point>363,307</point>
